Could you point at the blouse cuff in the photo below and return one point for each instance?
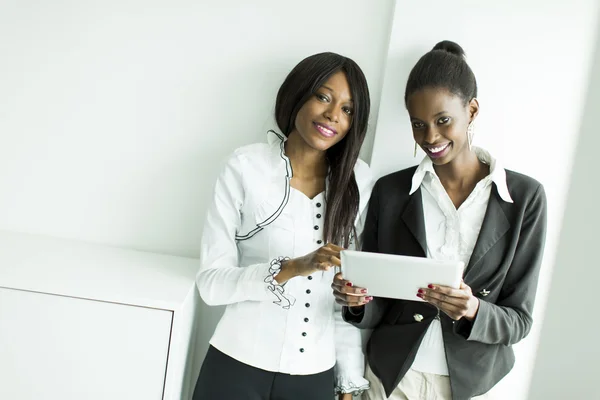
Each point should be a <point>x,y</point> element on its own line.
<point>282,298</point>
<point>355,385</point>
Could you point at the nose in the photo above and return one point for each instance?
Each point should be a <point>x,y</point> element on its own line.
<point>332,113</point>
<point>431,134</point>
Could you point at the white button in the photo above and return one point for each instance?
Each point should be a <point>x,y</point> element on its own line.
<point>418,317</point>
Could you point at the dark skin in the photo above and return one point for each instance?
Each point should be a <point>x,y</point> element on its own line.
<point>439,120</point>
<point>321,123</point>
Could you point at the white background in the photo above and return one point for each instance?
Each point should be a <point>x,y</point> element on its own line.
<point>567,364</point>
<point>532,62</point>
<point>114,115</point>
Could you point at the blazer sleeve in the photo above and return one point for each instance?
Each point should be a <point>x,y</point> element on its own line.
<point>371,314</point>
<point>509,320</point>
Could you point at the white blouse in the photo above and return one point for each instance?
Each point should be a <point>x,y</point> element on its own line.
<point>451,235</point>
<point>256,218</point>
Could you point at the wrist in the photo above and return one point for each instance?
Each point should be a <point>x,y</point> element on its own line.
<point>472,313</point>
<point>287,271</point>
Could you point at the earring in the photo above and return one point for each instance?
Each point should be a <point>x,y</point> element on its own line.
<point>470,133</point>
<point>415,154</point>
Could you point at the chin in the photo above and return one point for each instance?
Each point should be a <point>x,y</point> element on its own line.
<point>322,144</point>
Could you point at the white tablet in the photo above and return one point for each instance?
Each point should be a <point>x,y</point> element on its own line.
<point>398,277</point>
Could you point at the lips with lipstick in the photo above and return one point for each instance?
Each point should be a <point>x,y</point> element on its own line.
<point>325,130</point>
<point>437,150</point>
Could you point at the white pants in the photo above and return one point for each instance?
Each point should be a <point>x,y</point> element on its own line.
<point>414,386</point>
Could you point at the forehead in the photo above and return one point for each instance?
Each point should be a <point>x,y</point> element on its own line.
<point>428,102</point>
<point>338,84</point>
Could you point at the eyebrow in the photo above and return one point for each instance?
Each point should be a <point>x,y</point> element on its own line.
<point>333,91</point>
<point>440,113</point>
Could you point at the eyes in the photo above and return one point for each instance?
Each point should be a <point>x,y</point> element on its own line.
<point>325,99</point>
<point>420,125</point>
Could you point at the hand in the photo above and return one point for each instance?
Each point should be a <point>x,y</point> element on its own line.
<point>321,259</point>
<point>348,295</point>
<point>456,303</point>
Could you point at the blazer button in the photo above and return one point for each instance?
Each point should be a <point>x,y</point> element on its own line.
<point>418,317</point>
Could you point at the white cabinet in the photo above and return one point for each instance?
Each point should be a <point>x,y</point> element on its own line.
<point>79,321</point>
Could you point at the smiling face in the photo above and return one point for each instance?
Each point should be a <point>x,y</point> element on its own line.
<point>440,120</point>
<point>326,116</point>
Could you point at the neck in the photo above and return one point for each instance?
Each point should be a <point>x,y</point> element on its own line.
<point>307,162</point>
<point>464,171</point>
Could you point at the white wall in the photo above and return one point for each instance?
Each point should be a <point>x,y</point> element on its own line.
<point>114,114</point>
<point>567,358</point>
<point>531,60</point>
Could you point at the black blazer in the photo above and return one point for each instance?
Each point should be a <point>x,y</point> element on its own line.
<point>502,272</point>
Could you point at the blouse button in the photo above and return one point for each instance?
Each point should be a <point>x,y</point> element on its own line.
<point>316,227</point>
<point>301,350</point>
<point>310,278</point>
<point>307,291</point>
<point>318,204</point>
<point>305,319</point>
<point>318,215</point>
<point>307,305</point>
<point>319,241</point>
<point>304,334</point>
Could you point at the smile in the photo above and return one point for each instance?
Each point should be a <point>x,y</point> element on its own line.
<point>437,151</point>
<point>324,130</point>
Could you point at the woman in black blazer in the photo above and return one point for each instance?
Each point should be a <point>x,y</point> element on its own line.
<point>458,204</point>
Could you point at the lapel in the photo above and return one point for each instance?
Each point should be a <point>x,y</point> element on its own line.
<point>414,219</point>
<point>495,225</point>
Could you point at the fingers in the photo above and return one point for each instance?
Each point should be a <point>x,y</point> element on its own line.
<point>345,287</point>
<point>453,302</point>
<point>335,261</point>
<point>349,300</point>
<point>333,247</point>
<point>447,292</point>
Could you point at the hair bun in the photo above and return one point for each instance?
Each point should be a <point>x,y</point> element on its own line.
<point>450,47</point>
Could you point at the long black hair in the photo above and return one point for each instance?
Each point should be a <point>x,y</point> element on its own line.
<point>342,194</point>
<point>443,67</point>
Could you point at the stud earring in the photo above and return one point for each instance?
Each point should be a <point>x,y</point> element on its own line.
<point>470,133</point>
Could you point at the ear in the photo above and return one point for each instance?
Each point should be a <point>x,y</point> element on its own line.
<point>473,109</point>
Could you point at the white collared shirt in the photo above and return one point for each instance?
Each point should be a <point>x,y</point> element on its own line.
<point>256,218</point>
<point>451,235</point>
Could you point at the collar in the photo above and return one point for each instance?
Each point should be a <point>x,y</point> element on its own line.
<point>277,141</point>
<point>497,173</point>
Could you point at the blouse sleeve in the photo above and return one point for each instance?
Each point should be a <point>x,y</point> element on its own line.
<point>220,279</point>
<point>350,366</point>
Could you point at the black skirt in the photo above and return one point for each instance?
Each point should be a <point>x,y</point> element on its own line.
<point>224,378</point>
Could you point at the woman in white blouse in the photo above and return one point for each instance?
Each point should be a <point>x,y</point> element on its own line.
<point>458,204</point>
<point>281,213</point>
